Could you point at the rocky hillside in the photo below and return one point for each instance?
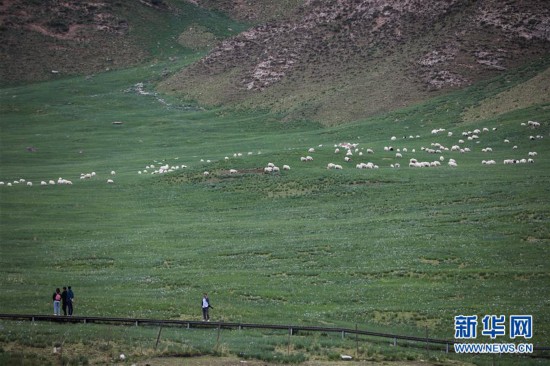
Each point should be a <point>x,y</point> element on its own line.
<point>336,61</point>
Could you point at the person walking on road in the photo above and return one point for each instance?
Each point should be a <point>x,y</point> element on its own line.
<point>205,306</point>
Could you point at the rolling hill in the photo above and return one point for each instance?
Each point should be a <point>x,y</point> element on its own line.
<point>329,62</point>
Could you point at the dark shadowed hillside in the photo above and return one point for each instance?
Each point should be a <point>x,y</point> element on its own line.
<point>342,60</point>
<point>44,39</point>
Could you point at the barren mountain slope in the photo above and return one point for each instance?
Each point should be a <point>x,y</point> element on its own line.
<point>80,36</point>
<point>72,37</point>
<point>342,60</point>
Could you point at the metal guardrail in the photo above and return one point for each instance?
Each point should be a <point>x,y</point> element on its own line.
<point>223,325</point>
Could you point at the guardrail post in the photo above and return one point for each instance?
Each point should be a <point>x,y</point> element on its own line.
<point>288,345</point>
<point>446,347</point>
<point>218,337</point>
<point>356,342</point>
<point>427,344</point>
<point>395,341</point>
<point>158,337</point>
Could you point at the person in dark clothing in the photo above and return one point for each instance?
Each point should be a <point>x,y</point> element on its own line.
<point>70,297</point>
<point>205,306</point>
<point>64,300</point>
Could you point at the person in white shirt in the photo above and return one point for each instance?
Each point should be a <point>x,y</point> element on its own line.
<point>205,306</point>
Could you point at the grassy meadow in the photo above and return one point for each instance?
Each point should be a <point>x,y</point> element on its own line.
<point>400,250</point>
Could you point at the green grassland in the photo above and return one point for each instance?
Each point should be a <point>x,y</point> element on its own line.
<point>397,250</point>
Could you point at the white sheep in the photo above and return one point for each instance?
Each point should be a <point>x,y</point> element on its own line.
<point>347,158</point>
<point>369,165</point>
<point>29,184</point>
<point>311,150</point>
<point>370,151</point>
<point>286,167</point>
<point>533,124</point>
<point>336,151</point>
<point>532,153</point>
<point>43,183</point>
<point>398,155</point>
<point>206,173</point>
<point>233,171</point>
<point>309,158</point>
<point>113,172</point>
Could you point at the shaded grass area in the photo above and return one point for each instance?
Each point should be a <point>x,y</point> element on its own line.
<point>397,250</point>
<point>50,344</point>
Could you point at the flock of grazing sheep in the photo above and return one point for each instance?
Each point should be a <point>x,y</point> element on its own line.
<point>351,152</point>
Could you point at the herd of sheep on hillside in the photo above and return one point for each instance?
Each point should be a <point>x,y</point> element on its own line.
<point>351,152</point>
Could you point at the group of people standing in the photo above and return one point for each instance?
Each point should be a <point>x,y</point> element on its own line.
<point>63,300</point>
